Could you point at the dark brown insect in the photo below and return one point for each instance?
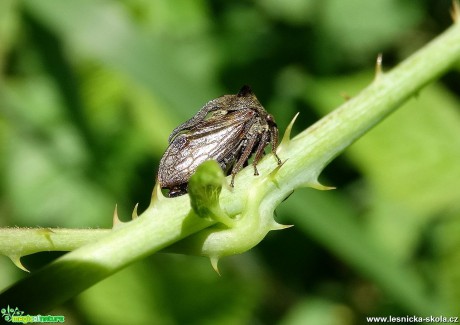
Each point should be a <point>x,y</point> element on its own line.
<point>227,129</point>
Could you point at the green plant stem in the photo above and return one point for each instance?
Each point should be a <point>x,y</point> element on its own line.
<point>91,263</point>
<point>169,220</point>
<point>35,240</point>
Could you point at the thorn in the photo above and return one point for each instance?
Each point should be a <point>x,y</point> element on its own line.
<point>46,232</point>
<point>273,173</point>
<point>287,133</point>
<point>318,186</point>
<point>278,226</point>
<point>17,261</point>
<point>116,221</point>
<point>378,67</point>
<point>134,215</point>
<point>157,195</point>
<point>214,261</point>
<point>455,11</point>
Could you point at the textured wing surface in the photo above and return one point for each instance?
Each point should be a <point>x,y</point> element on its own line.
<point>213,139</point>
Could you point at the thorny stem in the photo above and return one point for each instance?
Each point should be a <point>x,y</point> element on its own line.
<point>167,221</point>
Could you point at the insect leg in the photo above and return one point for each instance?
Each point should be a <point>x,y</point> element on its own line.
<point>178,190</point>
<point>274,142</point>
<point>260,151</point>
<point>243,158</point>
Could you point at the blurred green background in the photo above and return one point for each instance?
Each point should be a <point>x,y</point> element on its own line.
<point>91,89</point>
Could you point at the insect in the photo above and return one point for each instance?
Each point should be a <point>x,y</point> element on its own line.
<point>228,129</point>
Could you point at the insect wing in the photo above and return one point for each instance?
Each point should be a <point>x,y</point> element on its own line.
<point>212,106</point>
<point>210,139</point>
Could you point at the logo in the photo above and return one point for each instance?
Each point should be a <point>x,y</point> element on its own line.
<point>15,315</point>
